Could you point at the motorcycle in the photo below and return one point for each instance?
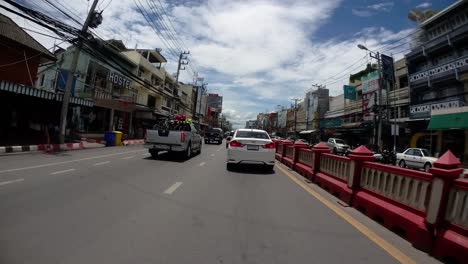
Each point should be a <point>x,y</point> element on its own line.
<point>388,157</point>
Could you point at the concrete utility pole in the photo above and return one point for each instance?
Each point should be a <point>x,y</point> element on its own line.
<point>376,55</point>
<point>295,113</point>
<point>71,72</point>
<point>182,61</point>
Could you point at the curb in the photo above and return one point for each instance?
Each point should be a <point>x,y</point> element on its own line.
<point>42,147</point>
<point>133,142</point>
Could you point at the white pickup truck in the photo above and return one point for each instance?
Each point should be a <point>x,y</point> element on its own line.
<point>180,138</point>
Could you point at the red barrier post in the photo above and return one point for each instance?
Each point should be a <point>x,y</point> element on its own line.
<point>358,156</point>
<point>285,144</point>
<point>446,170</point>
<point>318,149</point>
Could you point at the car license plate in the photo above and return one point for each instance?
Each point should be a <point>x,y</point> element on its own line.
<point>161,146</point>
<point>252,147</point>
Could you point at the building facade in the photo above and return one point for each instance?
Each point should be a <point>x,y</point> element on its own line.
<point>438,80</point>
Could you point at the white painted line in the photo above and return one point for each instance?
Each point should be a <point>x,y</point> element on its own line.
<point>9,182</point>
<point>101,163</point>
<point>145,154</point>
<point>64,171</point>
<point>202,164</point>
<point>129,157</point>
<point>172,189</point>
<point>218,149</point>
<point>212,155</point>
<point>70,161</point>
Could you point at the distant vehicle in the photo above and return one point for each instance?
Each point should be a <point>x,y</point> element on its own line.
<point>337,146</point>
<point>251,146</point>
<point>178,138</point>
<point>214,135</point>
<point>229,137</point>
<point>302,140</point>
<point>416,158</point>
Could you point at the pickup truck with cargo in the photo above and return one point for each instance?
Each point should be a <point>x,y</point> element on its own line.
<point>182,138</point>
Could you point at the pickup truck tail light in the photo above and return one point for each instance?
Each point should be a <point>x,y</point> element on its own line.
<point>236,144</point>
<point>182,137</point>
<point>269,146</point>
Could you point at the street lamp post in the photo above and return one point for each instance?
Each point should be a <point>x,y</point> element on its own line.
<point>376,55</point>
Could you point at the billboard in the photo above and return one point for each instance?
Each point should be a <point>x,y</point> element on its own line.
<point>370,82</point>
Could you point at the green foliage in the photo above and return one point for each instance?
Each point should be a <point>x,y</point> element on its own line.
<point>359,75</point>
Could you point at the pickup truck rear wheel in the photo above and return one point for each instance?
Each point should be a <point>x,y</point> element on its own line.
<point>188,152</point>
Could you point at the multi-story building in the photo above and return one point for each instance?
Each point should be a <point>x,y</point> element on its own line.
<point>215,107</point>
<point>186,92</point>
<point>316,104</point>
<point>102,79</point>
<point>150,92</point>
<point>438,81</point>
<point>251,124</point>
<point>333,118</point>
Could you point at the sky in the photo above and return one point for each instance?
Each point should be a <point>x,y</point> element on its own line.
<point>258,54</point>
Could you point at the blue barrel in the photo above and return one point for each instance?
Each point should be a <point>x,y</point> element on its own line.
<point>109,137</point>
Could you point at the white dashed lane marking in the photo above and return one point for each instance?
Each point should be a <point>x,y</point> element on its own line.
<point>212,155</point>
<point>63,171</point>
<point>101,163</point>
<point>202,164</point>
<point>126,158</point>
<point>172,189</point>
<point>10,182</point>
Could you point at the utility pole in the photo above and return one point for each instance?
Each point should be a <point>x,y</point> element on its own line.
<point>90,22</point>
<point>295,113</point>
<point>182,61</point>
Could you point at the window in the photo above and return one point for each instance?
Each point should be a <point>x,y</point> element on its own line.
<point>425,152</point>
<point>151,101</point>
<point>42,79</point>
<point>252,134</point>
<point>403,80</point>
<point>417,152</point>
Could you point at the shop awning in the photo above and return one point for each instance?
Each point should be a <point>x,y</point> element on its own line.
<point>449,119</point>
<point>31,91</point>
<point>306,132</point>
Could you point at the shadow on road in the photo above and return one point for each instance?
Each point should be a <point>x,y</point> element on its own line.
<point>251,169</point>
<point>172,157</point>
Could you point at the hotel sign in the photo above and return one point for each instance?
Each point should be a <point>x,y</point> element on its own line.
<point>119,80</point>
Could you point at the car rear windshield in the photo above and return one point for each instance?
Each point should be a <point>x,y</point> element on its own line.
<point>252,134</point>
<point>214,131</point>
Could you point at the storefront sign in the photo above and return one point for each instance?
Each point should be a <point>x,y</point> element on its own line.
<point>349,92</point>
<point>370,82</point>
<point>119,80</point>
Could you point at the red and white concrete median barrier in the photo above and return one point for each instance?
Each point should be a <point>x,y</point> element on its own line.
<point>42,147</point>
<point>133,142</point>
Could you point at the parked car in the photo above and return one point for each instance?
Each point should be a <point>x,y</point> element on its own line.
<point>178,138</point>
<point>251,146</point>
<point>337,146</point>
<point>214,135</point>
<point>416,158</point>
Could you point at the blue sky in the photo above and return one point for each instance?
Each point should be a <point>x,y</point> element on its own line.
<point>259,53</point>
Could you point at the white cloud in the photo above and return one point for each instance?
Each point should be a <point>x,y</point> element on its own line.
<point>257,54</point>
<point>373,9</point>
<point>424,5</point>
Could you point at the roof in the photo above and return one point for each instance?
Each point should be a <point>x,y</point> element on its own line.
<point>248,129</point>
<point>442,13</point>
<point>10,30</point>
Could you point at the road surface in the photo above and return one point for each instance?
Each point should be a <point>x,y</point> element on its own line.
<point>118,205</point>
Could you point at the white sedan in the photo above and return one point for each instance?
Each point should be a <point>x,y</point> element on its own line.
<point>251,146</point>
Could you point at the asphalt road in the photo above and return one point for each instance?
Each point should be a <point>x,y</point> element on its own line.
<point>118,205</point>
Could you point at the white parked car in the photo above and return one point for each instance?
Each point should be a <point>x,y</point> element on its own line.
<point>416,158</point>
<point>251,146</point>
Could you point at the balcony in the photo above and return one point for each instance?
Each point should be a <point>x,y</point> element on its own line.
<point>440,71</point>
<point>425,110</point>
<point>433,44</point>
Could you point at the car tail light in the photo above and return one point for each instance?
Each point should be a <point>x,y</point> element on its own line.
<point>182,137</point>
<point>269,146</point>
<point>236,144</point>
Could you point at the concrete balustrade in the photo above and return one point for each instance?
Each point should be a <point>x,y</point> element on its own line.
<point>428,209</point>
<point>457,210</point>
<point>336,166</point>
<point>401,185</point>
